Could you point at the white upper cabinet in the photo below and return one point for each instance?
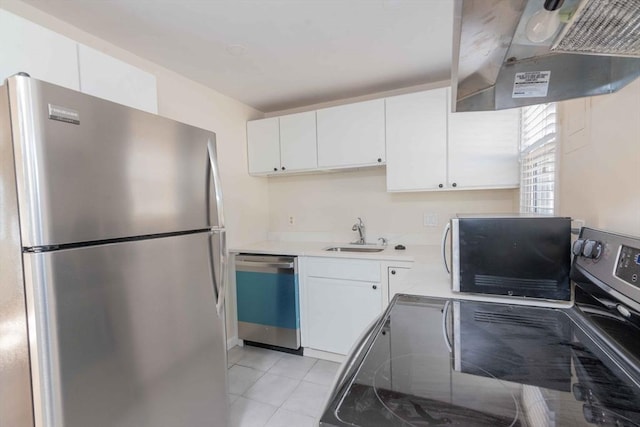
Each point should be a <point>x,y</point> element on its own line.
<point>424,146</point>
<point>430,148</point>
<point>282,144</point>
<point>109,78</point>
<point>298,148</point>
<point>351,135</point>
<point>35,50</point>
<point>483,149</point>
<point>48,56</point>
<point>263,145</point>
<point>417,141</point>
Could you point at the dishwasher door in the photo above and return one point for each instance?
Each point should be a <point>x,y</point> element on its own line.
<point>268,300</point>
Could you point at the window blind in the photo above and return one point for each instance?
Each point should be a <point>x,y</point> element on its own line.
<point>538,159</point>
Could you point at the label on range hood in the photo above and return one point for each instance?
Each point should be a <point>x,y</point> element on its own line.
<point>531,84</point>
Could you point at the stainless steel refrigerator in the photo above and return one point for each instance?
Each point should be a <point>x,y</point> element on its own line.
<point>112,265</point>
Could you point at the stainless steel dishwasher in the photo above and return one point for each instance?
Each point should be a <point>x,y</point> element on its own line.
<point>268,300</point>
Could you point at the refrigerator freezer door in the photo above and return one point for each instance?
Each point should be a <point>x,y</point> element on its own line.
<point>89,169</point>
<point>127,335</point>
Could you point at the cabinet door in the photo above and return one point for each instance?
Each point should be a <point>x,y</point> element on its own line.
<point>398,280</point>
<point>109,78</point>
<point>417,141</point>
<point>298,148</point>
<point>263,145</point>
<point>351,135</point>
<point>483,149</point>
<point>35,50</point>
<point>339,311</point>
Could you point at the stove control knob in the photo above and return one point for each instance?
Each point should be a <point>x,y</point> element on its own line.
<point>579,392</point>
<point>592,249</point>
<point>577,247</point>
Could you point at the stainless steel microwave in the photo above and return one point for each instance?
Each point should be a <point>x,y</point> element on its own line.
<point>525,256</point>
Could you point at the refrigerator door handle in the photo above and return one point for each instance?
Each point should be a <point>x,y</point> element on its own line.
<point>215,173</point>
<point>220,286</point>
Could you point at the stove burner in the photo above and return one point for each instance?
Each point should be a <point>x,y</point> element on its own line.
<point>442,397</point>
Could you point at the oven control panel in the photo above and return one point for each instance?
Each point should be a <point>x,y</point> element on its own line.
<point>628,265</point>
<point>612,261</point>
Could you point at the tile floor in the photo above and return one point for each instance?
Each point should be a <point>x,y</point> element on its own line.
<point>274,389</point>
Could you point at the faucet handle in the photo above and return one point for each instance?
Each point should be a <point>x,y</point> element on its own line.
<point>384,241</point>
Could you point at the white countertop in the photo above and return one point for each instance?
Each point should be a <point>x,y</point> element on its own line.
<point>317,249</point>
<point>427,276</point>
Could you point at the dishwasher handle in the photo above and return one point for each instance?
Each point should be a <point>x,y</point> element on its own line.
<point>262,264</point>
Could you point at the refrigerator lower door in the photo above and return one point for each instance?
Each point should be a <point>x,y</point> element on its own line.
<point>127,334</point>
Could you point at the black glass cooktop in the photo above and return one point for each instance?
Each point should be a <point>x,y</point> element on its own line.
<point>436,362</point>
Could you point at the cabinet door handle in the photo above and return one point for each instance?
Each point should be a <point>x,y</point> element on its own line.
<point>283,168</point>
<point>375,287</point>
<point>275,169</point>
<point>393,272</point>
<point>440,185</point>
<point>454,185</point>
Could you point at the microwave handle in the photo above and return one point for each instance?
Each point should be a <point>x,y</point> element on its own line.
<point>444,246</point>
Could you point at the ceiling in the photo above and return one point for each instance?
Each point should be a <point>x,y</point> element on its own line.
<point>278,54</point>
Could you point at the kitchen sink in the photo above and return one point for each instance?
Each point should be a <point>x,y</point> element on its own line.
<point>353,249</point>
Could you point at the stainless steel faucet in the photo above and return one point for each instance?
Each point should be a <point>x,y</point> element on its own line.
<point>359,227</point>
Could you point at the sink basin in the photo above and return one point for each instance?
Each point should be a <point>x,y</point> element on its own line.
<point>354,249</point>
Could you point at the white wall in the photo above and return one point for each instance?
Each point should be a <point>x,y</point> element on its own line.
<point>600,160</point>
<point>325,207</point>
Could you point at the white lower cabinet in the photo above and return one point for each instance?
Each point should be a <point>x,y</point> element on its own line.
<point>397,280</point>
<point>338,307</point>
<point>339,311</point>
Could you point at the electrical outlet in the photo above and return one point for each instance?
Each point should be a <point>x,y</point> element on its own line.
<point>291,221</point>
<point>430,219</point>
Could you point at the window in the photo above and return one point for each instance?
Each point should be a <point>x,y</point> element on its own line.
<point>538,159</point>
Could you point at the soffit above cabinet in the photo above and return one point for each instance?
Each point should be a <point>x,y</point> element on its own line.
<point>278,54</point>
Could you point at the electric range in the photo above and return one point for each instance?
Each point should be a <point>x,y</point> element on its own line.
<point>431,361</point>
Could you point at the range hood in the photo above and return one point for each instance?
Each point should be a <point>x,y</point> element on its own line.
<point>496,65</point>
